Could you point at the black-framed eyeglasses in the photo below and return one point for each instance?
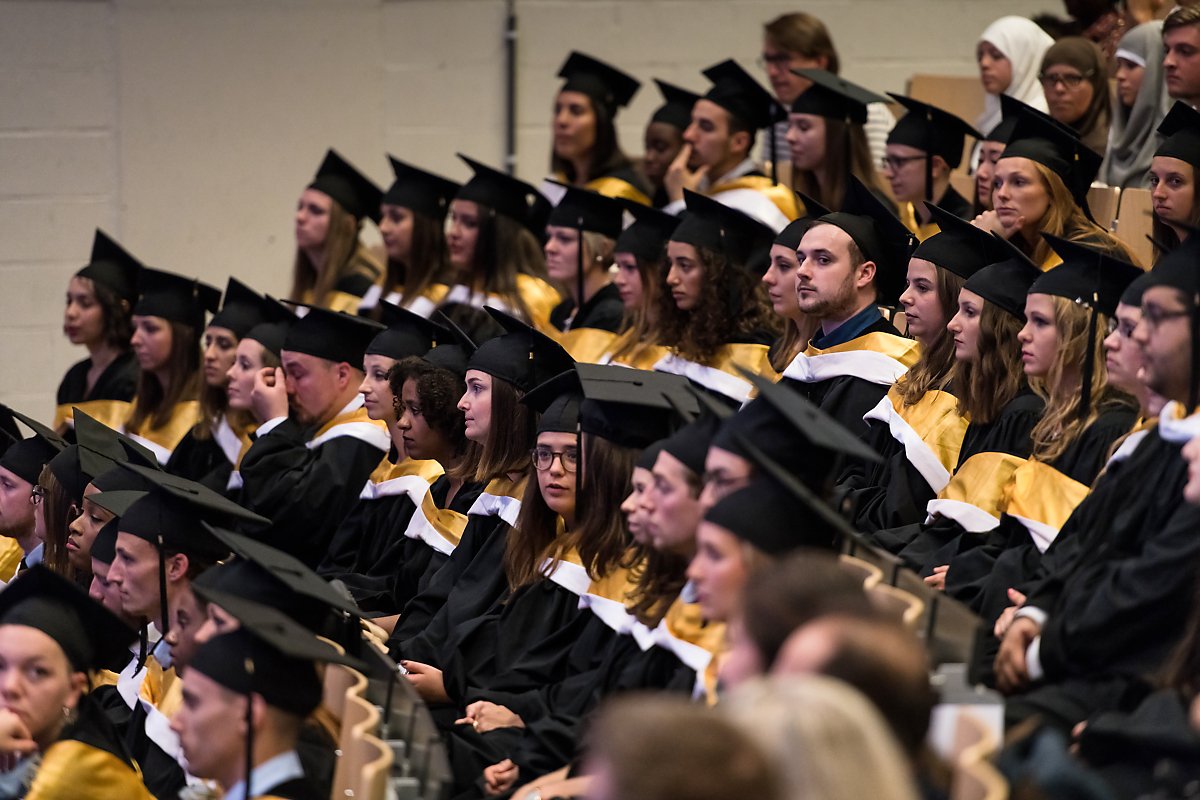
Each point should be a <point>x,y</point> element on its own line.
<point>894,163</point>
<point>1155,316</point>
<point>543,458</point>
<point>37,495</point>
<point>1071,81</point>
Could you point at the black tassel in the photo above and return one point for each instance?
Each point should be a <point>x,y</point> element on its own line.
<point>1089,365</point>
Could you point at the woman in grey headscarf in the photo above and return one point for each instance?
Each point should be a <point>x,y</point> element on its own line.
<point>1140,103</point>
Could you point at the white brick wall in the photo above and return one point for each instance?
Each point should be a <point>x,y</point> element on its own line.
<point>188,127</point>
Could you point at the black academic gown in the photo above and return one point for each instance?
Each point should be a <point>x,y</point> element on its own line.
<point>205,460</point>
<point>295,789</point>
<point>982,568</point>
<point>846,397</point>
<point>604,310</point>
<point>305,492</point>
<point>112,392</point>
<point>464,587</point>
<point>88,760</point>
<point>895,491</point>
<point>375,558</point>
<point>956,204</point>
<point>1117,584</point>
<point>1005,436</point>
<point>1152,751</point>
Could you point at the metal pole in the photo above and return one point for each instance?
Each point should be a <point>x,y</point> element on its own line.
<point>510,93</point>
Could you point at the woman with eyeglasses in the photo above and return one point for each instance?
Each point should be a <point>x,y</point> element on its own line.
<point>1074,79</point>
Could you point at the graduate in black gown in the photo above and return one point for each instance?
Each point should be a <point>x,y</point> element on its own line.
<point>369,548</point>
<point>100,299</point>
<point>1111,597</point>
<point>312,456</point>
<point>993,393</point>
<point>580,236</point>
<point>926,144</point>
<point>502,429</point>
<point>1084,415</point>
<point>49,621</point>
<point>663,138</point>
<point>249,744</point>
<point>713,314</point>
<point>210,451</point>
<point>852,262</point>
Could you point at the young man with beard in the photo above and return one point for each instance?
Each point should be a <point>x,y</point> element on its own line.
<point>852,262</point>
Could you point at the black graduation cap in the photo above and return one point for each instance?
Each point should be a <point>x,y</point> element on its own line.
<point>453,353</point>
<point>265,575</point>
<point>959,246</point>
<point>1086,276</point>
<point>606,85</point>
<point>557,403</point>
<point>1177,269</point>
<point>268,655</point>
<point>792,430</point>
<point>112,265</point>
<point>419,191</point>
<point>1094,280</point>
<point>67,471</point>
<point>26,457</point>
<point>647,235</point>
<point>712,224</point>
<point>1181,131</point>
<point>736,91</point>
<point>242,308</point>
<point>776,512</point>
<point>523,356</point>
<point>1132,296</point>
<point>1005,282</point>
<point>102,448</point>
<point>353,191</point>
<point>104,546</point>
<point>931,130</point>
<point>586,210</point>
<point>794,231</point>
<point>880,236</point>
<point>175,298</point>
<point>504,194</point>
<point>1010,109</point>
<point>406,334</point>
<point>676,109</point>
<point>273,330</point>
<point>1058,150</point>
<point>834,97</point>
<point>633,407</point>
<point>690,443</point>
<point>333,335</point>
<point>90,635</point>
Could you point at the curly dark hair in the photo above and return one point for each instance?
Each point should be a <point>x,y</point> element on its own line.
<point>438,390</point>
<point>118,316</point>
<point>732,303</point>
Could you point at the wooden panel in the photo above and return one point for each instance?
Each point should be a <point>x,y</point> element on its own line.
<point>1103,200</point>
<point>962,96</point>
<point>1135,222</point>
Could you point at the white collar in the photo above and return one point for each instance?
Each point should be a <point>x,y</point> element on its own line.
<point>268,775</point>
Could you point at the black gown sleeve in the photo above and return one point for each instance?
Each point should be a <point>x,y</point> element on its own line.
<point>305,492</point>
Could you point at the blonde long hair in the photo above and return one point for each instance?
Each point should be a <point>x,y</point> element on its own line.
<point>1061,424</point>
<point>1065,219</point>
<point>826,737</point>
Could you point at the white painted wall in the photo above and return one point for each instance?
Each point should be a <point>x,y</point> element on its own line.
<point>187,128</point>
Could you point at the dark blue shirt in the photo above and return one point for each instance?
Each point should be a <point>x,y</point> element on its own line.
<point>850,329</point>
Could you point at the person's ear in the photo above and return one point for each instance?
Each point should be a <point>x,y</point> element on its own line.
<point>865,274</point>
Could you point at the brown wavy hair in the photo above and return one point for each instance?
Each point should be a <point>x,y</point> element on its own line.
<point>700,333</point>
<point>935,366</point>
<point>986,387</point>
<point>509,442</point>
<point>639,327</point>
<point>1060,424</point>
<point>606,157</point>
<point>153,405</point>
<point>438,390</point>
<point>117,315</point>
<point>59,511</point>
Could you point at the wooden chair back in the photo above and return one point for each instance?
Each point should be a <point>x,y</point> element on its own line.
<point>1135,222</point>
<point>904,606</point>
<point>867,572</point>
<point>376,758</point>
<point>1104,200</point>
<point>360,718</point>
<point>978,781</point>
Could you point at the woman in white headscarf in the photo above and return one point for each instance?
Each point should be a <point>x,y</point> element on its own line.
<point>1140,104</point>
<point>1010,54</point>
